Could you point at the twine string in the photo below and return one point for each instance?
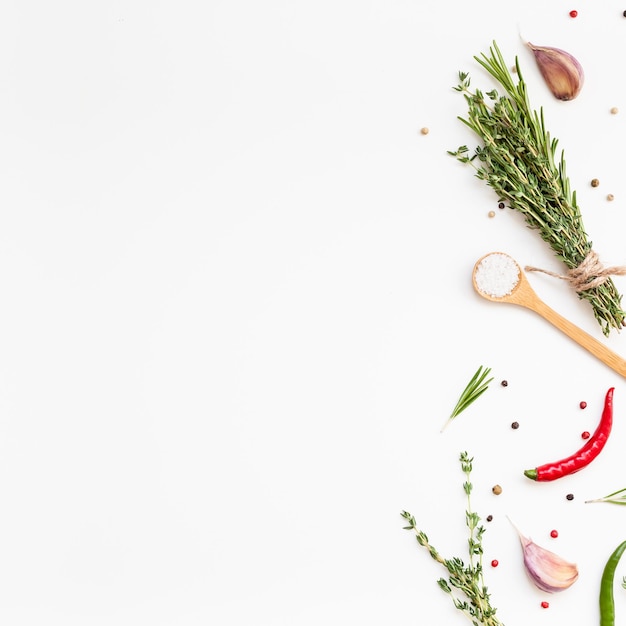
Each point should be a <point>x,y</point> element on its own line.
<point>589,274</point>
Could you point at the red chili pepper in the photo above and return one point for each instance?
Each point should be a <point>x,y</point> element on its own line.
<point>586,454</point>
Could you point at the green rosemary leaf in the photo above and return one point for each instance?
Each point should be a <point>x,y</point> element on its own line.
<point>518,159</point>
<point>474,389</point>
<point>617,497</point>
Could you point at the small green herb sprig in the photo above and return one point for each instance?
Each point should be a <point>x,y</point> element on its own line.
<point>517,159</point>
<point>465,582</point>
<point>475,388</point>
<point>617,497</point>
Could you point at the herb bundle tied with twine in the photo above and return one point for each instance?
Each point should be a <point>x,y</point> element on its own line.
<point>517,159</point>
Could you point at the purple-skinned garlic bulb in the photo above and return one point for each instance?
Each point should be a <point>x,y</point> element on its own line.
<point>561,71</point>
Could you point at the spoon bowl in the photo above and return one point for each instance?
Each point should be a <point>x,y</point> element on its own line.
<point>499,278</point>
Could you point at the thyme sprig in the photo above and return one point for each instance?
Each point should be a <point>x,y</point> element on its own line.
<point>474,389</point>
<point>465,582</point>
<point>518,160</point>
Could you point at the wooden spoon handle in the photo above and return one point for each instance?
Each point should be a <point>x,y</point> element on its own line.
<point>599,350</point>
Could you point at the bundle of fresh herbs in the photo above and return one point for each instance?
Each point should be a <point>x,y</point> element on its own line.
<point>465,582</point>
<point>517,159</point>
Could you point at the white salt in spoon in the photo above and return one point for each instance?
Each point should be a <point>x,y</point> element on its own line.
<point>498,277</point>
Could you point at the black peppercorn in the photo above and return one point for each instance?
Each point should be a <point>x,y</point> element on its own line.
<point>504,383</point>
<point>489,518</point>
<point>500,205</point>
<point>570,496</point>
<point>515,425</point>
<point>624,13</point>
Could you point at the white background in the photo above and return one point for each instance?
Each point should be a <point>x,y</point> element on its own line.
<point>236,310</point>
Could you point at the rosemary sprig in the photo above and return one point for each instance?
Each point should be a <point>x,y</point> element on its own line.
<point>475,388</point>
<point>465,582</point>
<point>617,497</point>
<point>518,160</point>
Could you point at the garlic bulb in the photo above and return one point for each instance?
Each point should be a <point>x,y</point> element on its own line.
<point>562,72</point>
<point>548,571</point>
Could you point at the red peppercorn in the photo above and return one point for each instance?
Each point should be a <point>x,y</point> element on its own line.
<point>494,563</point>
<point>583,405</point>
<point>586,434</point>
<point>554,534</point>
<point>545,605</point>
<point>573,13</point>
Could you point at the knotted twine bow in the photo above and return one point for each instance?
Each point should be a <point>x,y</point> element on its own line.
<point>589,274</point>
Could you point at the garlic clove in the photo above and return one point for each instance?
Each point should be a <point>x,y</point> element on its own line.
<point>547,570</point>
<point>561,71</point>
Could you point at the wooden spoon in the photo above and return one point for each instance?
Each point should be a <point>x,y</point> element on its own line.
<point>517,290</point>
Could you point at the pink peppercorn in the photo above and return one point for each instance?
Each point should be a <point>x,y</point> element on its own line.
<point>545,605</point>
<point>583,405</point>
<point>494,563</point>
<point>554,534</point>
<point>573,13</point>
<point>586,434</point>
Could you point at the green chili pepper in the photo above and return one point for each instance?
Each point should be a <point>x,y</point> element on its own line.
<point>607,602</point>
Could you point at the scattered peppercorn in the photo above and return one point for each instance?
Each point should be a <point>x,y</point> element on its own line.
<point>504,383</point>
<point>545,605</point>
<point>573,13</point>
<point>586,434</point>
<point>494,563</point>
<point>615,110</point>
<point>583,405</point>
<point>570,496</point>
<point>515,425</point>
<point>624,13</point>
<point>610,197</point>
<point>489,518</point>
<point>497,489</point>
<point>500,205</point>
<point>424,131</point>
<point>491,214</point>
<point>595,182</point>
<point>554,534</point>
